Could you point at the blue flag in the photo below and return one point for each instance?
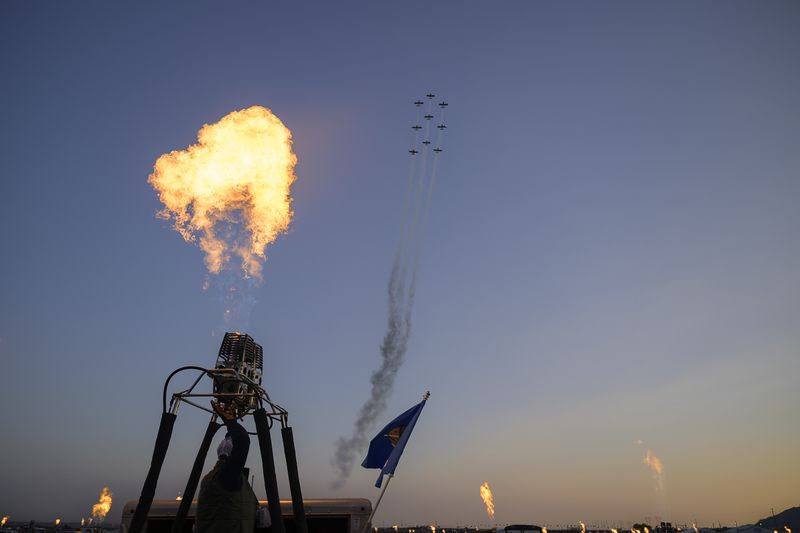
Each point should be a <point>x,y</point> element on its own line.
<point>387,446</point>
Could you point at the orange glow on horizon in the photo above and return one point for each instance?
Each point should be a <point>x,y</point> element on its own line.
<point>103,505</point>
<point>488,499</point>
<point>656,468</point>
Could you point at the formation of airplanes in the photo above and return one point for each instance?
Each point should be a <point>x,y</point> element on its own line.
<point>417,127</point>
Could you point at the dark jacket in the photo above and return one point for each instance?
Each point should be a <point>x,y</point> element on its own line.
<point>223,511</point>
<point>227,503</point>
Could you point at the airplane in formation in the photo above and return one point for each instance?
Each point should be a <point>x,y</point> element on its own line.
<point>428,117</point>
<point>417,127</point>
<point>426,143</point>
<point>441,126</point>
<point>438,150</point>
<point>430,95</point>
<point>443,104</point>
<point>418,103</point>
<point>413,152</point>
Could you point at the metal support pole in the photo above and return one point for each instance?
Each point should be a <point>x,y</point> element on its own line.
<point>149,488</point>
<point>377,503</point>
<point>194,477</point>
<point>268,464</point>
<point>300,525</point>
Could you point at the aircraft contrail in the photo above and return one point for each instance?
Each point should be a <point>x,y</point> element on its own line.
<point>393,349</point>
<point>400,300</point>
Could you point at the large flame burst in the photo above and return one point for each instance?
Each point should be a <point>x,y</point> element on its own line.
<point>103,505</point>
<point>238,174</point>
<point>488,498</point>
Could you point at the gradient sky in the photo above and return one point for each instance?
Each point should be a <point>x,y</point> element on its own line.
<point>612,254</point>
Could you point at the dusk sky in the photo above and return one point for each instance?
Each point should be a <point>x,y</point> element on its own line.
<point>611,256</point>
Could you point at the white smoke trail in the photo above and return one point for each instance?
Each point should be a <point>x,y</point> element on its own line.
<point>393,350</point>
<point>418,189</point>
<point>427,206</point>
<point>409,191</point>
<point>400,303</point>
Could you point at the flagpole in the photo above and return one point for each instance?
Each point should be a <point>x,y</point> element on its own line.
<point>391,475</point>
<point>377,503</point>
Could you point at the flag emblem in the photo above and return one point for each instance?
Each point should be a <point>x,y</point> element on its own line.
<point>395,433</point>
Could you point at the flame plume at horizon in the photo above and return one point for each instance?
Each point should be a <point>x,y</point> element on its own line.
<point>656,467</point>
<point>488,499</point>
<point>230,191</point>
<point>103,505</point>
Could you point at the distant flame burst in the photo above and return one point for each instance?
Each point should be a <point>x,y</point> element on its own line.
<point>488,499</point>
<point>656,467</point>
<point>238,175</point>
<point>103,505</point>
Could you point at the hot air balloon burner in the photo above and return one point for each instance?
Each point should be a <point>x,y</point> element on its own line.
<point>236,384</point>
<point>238,371</point>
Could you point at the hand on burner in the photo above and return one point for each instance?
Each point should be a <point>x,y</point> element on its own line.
<point>225,412</point>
